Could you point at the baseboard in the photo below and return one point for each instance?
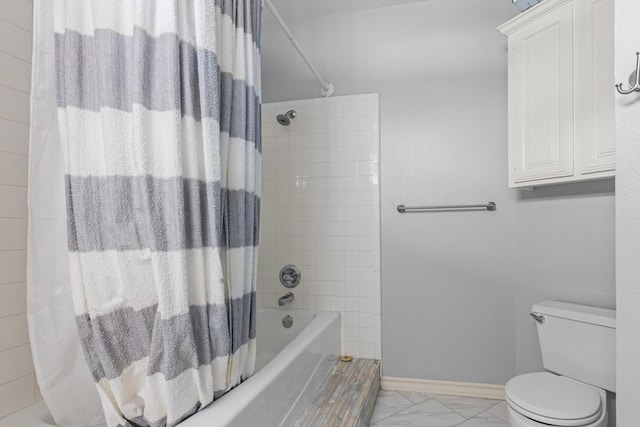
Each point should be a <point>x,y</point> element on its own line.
<point>453,388</point>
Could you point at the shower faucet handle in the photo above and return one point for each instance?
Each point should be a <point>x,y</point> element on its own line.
<point>290,276</point>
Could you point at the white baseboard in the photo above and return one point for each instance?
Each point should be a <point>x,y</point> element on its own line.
<point>453,388</point>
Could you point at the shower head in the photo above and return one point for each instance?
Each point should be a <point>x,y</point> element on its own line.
<point>285,119</point>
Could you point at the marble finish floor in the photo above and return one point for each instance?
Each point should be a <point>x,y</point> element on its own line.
<point>401,408</point>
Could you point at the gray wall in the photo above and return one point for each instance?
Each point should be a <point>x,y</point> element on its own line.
<point>627,219</point>
<point>456,287</point>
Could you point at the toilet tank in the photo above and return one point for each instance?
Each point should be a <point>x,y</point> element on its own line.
<point>578,342</point>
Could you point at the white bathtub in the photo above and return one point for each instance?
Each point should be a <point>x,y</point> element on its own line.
<point>291,365</point>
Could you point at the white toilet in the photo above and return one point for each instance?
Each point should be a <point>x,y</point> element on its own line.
<point>578,348</point>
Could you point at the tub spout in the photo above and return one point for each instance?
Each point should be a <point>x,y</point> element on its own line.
<point>288,297</point>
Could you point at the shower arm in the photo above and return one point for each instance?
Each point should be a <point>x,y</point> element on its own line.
<point>327,88</point>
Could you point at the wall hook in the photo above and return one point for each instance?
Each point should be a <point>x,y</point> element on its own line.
<point>635,86</point>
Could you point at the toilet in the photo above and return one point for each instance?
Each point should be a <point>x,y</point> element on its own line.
<point>578,344</point>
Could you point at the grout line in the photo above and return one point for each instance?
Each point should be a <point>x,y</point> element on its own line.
<point>13,283</point>
<point>15,346</point>
<point>19,378</point>
<point>24,313</point>
<point>13,185</point>
<point>13,250</point>
<point>15,88</point>
<point>16,25</point>
<point>13,152</point>
<point>14,121</point>
<point>397,412</point>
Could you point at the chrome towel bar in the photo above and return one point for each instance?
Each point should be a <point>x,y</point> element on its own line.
<point>490,206</point>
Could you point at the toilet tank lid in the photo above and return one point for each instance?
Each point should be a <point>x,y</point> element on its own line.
<point>581,313</point>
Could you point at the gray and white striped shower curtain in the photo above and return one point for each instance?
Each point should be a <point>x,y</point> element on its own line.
<point>159,116</point>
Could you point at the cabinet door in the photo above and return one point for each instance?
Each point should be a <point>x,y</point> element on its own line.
<point>541,98</point>
<point>595,118</point>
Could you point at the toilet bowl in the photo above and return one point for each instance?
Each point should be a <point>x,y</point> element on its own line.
<point>577,344</point>
<point>543,399</point>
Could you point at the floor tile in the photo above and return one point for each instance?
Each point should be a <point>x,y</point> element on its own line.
<point>485,419</point>
<point>499,410</point>
<point>415,397</point>
<point>466,406</point>
<point>388,403</point>
<point>429,413</point>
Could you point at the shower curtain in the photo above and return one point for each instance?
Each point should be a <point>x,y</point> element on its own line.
<point>158,106</point>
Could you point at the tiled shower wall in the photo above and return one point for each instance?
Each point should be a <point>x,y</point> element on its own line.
<point>321,212</point>
<point>17,380</point>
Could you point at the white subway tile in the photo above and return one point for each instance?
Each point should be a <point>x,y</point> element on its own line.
<point>337,303</point>
<point>311,302</point>
<point>14,202</point>
<point>351,304</point>
<point>18,12</point>
<point>352,259</point>
<point>351,138</point>
<point>375,135</point>
<point>13,234</point>
<point>268,132</point>
<point>337,109</point>
<point>13,169</point>
<point>365,108</point>
<point>351,319</point>
<point>366,320</point>
<point>296,127</point>
<point>337,272</point>
<point>13,331</point>
<point>308,111</point>
<point>366,305</point>
<point>15,73</point>
<point>330,173</point>
<point>15,363</point>
<point>365,137</point>
<point>13,299</point>
<point>365,123</point>
<point>324,303</point>
<point>352,348</point>
<point>367,351</point>
<point>351,273</point>
<point>336,140</point>
<point>14,40</point>
<point>13,266</point>
<point>366,288</point>
<point>322,125</point>
<point>336,258</point>
<point>17,109</point>
<point>351,289</point>
<point>17,394</point>
<point>366,335</point>
<point>337,288</point>
<point>351,334</point>
<point>336,124</point>
<point>350,124</point>
<point>322,140</point>
<point>269,300</point>
<point>350,108</point>
<point>366,274</point>
<point>322,111</point>
<point>14,137</point>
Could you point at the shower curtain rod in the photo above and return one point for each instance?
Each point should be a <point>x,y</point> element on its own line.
<point>327,88</point>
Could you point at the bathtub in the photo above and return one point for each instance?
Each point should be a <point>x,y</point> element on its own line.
<point>291,366</point>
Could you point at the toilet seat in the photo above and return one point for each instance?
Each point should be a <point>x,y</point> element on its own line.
<point>552,399</point>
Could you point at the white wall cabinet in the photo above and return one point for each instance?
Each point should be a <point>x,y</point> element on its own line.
<point>561,93</point>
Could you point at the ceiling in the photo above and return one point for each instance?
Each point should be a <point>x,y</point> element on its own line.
<point>297,9</point>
